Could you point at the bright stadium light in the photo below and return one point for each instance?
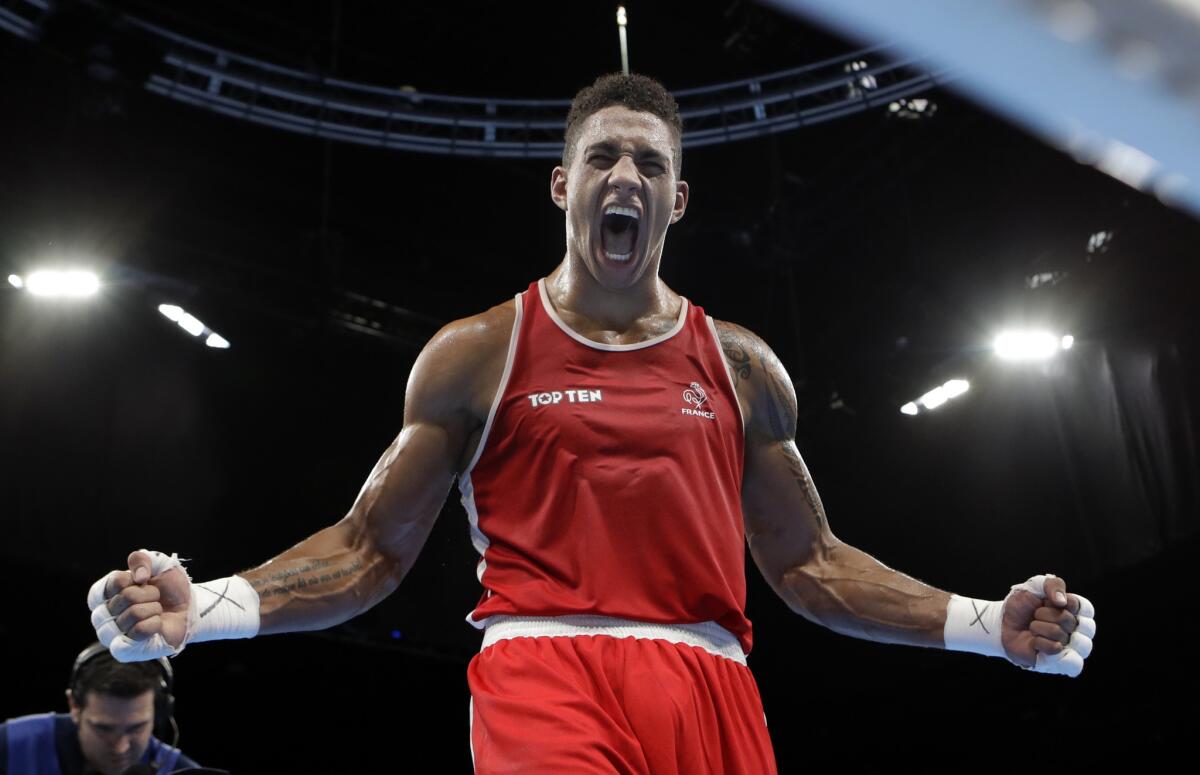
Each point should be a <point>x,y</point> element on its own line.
<point>15,281</point>
<point>1068,342</point>
<point>956,387</point>
<point>1026,345</point>
<point>934,398</point>
<point>193,325</point>
<point>75,283</point>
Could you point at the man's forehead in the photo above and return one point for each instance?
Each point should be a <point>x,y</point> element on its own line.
<point>107,709</point>
<point>617,124</point>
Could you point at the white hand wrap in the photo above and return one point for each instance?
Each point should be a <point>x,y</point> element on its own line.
<point>974,625</point>
<point>121,646</point>
<point>220,609</point>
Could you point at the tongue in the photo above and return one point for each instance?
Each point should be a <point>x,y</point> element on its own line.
<point>618,241</point>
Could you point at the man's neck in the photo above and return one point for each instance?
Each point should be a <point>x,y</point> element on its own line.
<point>576,294</point>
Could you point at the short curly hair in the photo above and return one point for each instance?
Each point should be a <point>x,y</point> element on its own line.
<point>636,92</point>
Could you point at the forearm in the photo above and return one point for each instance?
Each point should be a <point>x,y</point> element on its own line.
<point>325,580</point>
<point>852,593</point>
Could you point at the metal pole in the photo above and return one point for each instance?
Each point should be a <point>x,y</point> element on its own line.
<point>621,22</point>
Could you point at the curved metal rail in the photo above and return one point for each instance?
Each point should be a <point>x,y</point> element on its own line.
<point>264,93</point>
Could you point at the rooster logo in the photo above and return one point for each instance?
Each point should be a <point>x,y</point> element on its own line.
<point>695,395</point>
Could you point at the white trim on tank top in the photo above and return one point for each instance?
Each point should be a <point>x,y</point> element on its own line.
<point>478,538</point>
<point>709,636</point>
<point>546,305</point>
<point>712,326</point>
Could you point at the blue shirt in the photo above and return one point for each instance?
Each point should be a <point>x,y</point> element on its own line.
<point>48,744</point>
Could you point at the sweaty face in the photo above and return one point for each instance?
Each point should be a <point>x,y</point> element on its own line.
<point>114,731</point>
<point>620,194</point>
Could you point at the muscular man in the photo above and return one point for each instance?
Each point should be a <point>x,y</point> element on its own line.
<point>613,445</point>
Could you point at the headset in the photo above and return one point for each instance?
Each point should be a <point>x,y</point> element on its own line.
<point>165,728</point>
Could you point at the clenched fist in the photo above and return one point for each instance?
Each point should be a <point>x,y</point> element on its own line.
<point>142,613</point>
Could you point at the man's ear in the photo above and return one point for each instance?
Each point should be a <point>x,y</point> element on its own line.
<point>73,707</point>
<point>558,187</point>
<point>681,200</point>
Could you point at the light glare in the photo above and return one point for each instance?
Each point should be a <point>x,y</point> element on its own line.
<point>171,312</point>
<point>216,340</point>
<point>621,15</point>
<point>15,281</point>
<point>956,387</point>
<point>934,398</point>
<point>73,283</point>
<point>1068,342</point>
<point>910,408</point>
<point>1026,345</point>
<point>189,323</point>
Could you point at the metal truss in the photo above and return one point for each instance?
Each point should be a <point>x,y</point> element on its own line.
<point>241,87</point>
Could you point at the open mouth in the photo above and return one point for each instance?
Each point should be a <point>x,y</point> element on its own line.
<point>618,232</point>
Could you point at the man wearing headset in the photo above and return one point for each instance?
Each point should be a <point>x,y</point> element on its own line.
<point>115,709</point>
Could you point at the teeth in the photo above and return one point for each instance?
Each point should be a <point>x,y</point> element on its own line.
<point>618,210</point>
<point>618,256</point>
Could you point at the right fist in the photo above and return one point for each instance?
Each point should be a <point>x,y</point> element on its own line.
<point>142,613</point>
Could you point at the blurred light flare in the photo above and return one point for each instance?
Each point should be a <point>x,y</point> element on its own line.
<point>53,283</point>
<point>934,398</point>
<point>15,281</point>
<point>956,387</point>
<point>193,325</point>
<point>1030,345</point>
<point>171,312</point>
<point>216,340</point>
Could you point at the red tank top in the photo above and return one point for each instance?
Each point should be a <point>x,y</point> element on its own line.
<point>608,477</point>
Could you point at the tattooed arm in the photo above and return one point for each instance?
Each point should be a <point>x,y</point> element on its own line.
<point>827,581</point>
<point>345,569</point>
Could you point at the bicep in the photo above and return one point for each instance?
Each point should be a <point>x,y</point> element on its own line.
<point>785,520</point>
<point>397,506</point>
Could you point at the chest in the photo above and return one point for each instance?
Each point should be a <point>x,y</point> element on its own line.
<point>640,404</point>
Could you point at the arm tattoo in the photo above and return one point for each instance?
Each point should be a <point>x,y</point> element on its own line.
<point>804,481</point>
<point>281,585</point>
<point>735,353</point>
<point>283,575</point>
<point>781,405</point>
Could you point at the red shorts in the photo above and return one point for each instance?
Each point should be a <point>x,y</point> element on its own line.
<point>636,705</point>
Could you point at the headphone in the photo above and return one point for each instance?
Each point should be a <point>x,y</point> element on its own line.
<point>165,728</point>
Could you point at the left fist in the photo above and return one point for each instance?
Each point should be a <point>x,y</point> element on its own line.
<point>1045,629</point>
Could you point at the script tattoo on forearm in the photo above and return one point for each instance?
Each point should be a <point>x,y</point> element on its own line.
<point>284,575</point>
<point>803,480</point>
<point>292,579</point>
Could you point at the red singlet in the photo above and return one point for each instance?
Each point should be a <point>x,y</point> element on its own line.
<point>608,477</point>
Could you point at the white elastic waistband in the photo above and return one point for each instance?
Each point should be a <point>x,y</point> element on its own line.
<point>709,636</point>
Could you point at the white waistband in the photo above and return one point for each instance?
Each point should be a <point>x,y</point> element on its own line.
<point>709,636</point>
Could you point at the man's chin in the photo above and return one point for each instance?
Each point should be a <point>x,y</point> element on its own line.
<point>616,272</point>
